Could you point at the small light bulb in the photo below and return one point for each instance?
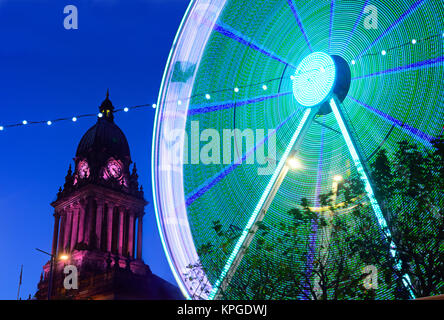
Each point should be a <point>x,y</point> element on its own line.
<point>414,41</point>
<point>100,115</point>
<point>154,106</point>
<point>236,89</point>
<point>353,62</point>
<point>384,52</point>
<point>207,96</point>
<point>25,122</point>
<point>179,102</point>
<point>49,123</point>
<point>74,119</point>
<point>1,128</point>
<point>264,87</point>
<point>125,109</point>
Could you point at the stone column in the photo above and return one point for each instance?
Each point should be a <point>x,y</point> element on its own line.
<point>99,217</point>
<point>131,235</point>
<point>81,233</point>
<point>109,232</point>
<point>75,224</point>
<point>62,231</point>
<point>67,232</point>
<point>89,220</point>
<point>139,236</point>
<point>55,234</point>
<point>121,230</point>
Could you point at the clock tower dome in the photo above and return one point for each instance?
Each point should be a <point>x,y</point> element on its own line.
<point>98,223</point>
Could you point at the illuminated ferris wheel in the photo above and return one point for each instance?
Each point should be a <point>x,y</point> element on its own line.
<point>321,84</point>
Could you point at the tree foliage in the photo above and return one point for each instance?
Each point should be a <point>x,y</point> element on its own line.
<point>320,254</point>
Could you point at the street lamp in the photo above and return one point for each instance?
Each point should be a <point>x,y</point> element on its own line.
<point>294,163</point>
<point>334,187</point>
<point>63,257</point>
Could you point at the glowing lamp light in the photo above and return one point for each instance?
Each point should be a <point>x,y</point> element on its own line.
<point>383,52</point>
<point>337,178</point>
<point>314,79</point>
<point>294,163</point>
<point>1,128</point>
<point>100,115</point>
<point>74,119</point>
<point>64,257</point>
<point>49,123</point>
<point>154,106</point>
<point>179,102</point>
<point>25,122</point>
<point>414,41</point>
<point>125,109</point>
<point>264,87</point>
<point>207,96</point>
<point>353,62</point>
<point>236,89</point>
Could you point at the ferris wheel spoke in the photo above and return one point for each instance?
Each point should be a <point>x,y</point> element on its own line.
<point>262,206</point>
<point>332,12</point>
<point>207,185</point>
<point>364,175</point>
<point>413,66</point>
<point>352,32</point>
<point>422,137</point>
<point>242,39</point>
<point>229,105</point>
<point>299,22</point>
<point>410,10</point>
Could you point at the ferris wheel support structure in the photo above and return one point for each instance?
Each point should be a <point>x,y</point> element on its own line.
<point>278,177</point>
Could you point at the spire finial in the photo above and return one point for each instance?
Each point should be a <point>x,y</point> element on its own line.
<point>107,108</point>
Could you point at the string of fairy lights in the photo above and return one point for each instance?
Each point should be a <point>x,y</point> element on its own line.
<point>208,96</point>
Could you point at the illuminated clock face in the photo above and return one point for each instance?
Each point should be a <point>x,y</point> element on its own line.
<point>115,169</point>
<point>314,79</point>
<point>83,169</point>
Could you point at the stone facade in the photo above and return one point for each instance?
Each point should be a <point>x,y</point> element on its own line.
<point>98,223</point>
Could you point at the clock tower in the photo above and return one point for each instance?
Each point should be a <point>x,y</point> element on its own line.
<point>98,223</point>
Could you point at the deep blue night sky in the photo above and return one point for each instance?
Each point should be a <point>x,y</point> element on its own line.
<point>47,72</point>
